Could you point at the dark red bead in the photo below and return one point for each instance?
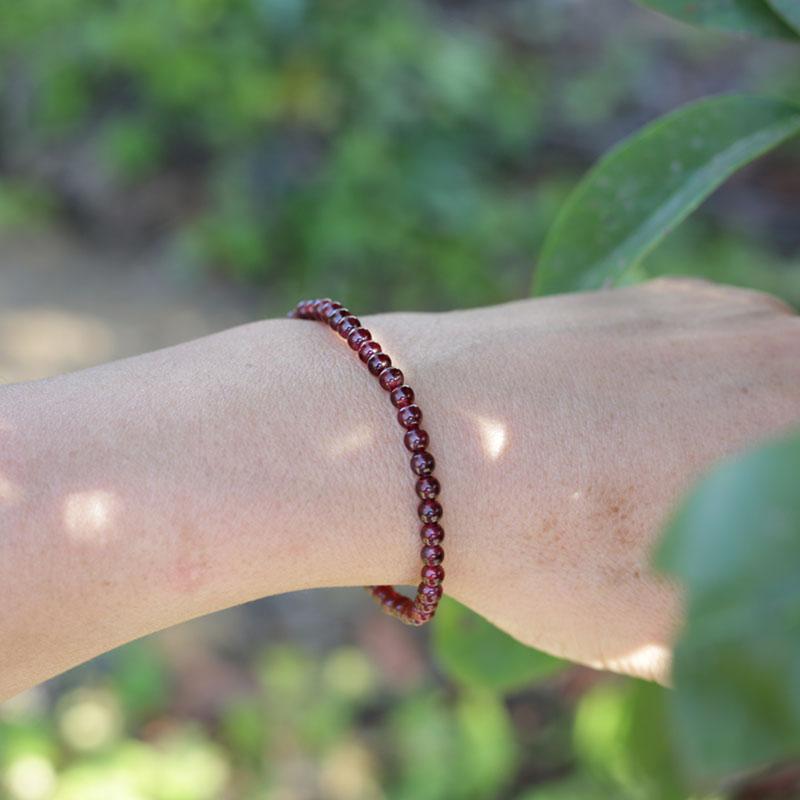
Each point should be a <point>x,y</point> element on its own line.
<point>427,487</point>
<point>390,378</point>
<point>432,554</point>
<point>429,511</point>
<point>330,309</point>
<point>368,349</point>
<point>416,440</point>
<point>378,363</point>
<point>337,316</point>
<point>317,306</point>
<point>347,326</point>
<point>409,416</point>
<point>382,592</point>
<point>404,606</point>
<point>402,396</point>
<point>431,533</point>
<point>389,600</point>
<point>358,337</point>
<point>426,605</point>
<point>431,593</point>
<point>422,463</point>
<point>432,575</point>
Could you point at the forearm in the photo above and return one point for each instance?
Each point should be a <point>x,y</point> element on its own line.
<point>148,491</point>
<point>266,459</point>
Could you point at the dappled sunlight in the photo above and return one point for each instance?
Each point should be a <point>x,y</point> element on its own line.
<point>351,442</point>
<point>647,661</point>
<point>494,436</point>
<point>10,492</point>
<point>88,516</point>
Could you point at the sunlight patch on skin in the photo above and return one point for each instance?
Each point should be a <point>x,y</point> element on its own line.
<point>88,515</point>
<point>494,436</point>
<point>10,493</point>
<point>650,661</point>
<point>353,441</point>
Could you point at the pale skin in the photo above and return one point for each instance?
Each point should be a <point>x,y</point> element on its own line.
<point>265,459</point>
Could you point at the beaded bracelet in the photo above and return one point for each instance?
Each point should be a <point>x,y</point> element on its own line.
<point>422,608</point>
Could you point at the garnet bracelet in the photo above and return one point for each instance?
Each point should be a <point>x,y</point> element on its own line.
<point>422,608</point>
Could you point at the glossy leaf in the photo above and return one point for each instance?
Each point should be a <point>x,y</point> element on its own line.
<point>644,187</point>
<point>789,11</point>
<point>735,546</point>
<point>474,652</point>
<point>737,16</point>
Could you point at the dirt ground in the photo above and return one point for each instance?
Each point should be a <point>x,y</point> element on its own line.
<point>65,305</point>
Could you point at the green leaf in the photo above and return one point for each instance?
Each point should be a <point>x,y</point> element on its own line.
<point>735,545</point>
<point>620,739</point>
<point>645,186</point>
<point>475,652</point>
<point>488,749</point>
<point>789,11</point>
<point>735,16</point>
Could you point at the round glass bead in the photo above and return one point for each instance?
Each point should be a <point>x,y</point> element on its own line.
<point>404,606</point>
<point>358,337</point>
<point>382,592</point>
<point>432,574</point>
<point>431,533</point>
<point>428,487</point>
<point>368,349</point>
<point>378,363</point>
<point>416,440</point>
<point>331,308</point>
<point>409,416</point>
<point>390,378</point>
<point>429,511</point>
<point>348,325</point>
<point>431,594</point>
<point>402,396</point>
<point>422,463</point>
<point>337,317</point>
<point>432,554</point>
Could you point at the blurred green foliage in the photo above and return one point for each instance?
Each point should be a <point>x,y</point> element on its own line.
<point>393,154</point>
<point>332,727</point>
<point>329,140</point>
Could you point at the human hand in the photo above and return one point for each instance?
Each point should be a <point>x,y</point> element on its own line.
<point>566,428</point>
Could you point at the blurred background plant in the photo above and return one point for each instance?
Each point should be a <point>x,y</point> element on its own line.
<point>308,147</point>
<point>397,155</point>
